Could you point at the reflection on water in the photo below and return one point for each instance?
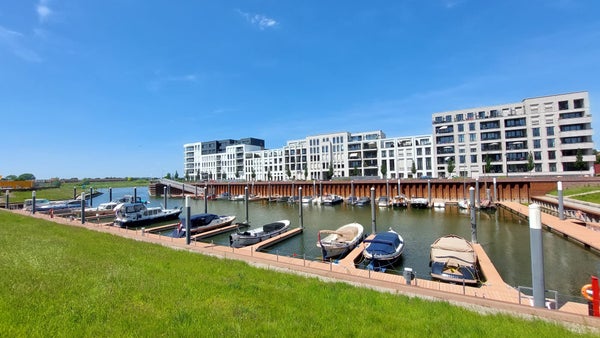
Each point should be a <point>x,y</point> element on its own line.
<point>503,235</point>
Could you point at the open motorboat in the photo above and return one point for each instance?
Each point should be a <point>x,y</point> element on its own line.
<point>419,203</point>
<point>332,199</point>
<point>253,236</point>
<point>203,222</point>
<point>383,250</point>
<point>399,201</point>
<point>363,201</point>
<point>137,214</point>
<point>335,243</point>
<point>453,259</point>
<point>383,202</point>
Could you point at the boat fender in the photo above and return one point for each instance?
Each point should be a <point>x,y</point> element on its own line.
<point>586,292</point>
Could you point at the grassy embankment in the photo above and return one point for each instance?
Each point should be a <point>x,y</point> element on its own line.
<point>587,194</point>
<point>68,281</point>
<point>65,191</point>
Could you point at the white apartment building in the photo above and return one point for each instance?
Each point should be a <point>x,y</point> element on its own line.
<point>547,134</point>
<point>552,135</point>
<point>402,155</point>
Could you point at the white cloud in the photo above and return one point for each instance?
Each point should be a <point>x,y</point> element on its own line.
<point>14,43</point>
<point>43,11</point>
<point>260,20</point>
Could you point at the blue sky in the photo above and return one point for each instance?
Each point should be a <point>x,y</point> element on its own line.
<point>116,87</point>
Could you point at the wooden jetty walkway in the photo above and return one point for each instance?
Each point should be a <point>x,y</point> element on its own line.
<point>568,228</point>
<point>493,296</point>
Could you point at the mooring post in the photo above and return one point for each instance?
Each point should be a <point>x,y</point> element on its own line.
<point>206,198</point>
<point>91,196</point>
<point>300,212</point>
<point>373,223</point>
<point>188,211</point>
<point>352,190</point>
<point>110,194</point>
<point>7,198</point>
<point>135,195</point>
<point>537,256</point>
<point>429,192</point>
<point>245,202</point>
<point>399,188</point>
<point>165,196</point>
<point>74,192</point>
<point>561,206</point>
<point>33,202</point>
<point>477,198</point>
<point>387,188</point>
<point>82,207</point>
<point>495,191</point>
<point>487,194</point>
<point>473,219</point>
<point>320,188</point>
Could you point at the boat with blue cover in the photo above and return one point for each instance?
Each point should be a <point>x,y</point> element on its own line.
<point>383,250</point>
<point>203,222</point>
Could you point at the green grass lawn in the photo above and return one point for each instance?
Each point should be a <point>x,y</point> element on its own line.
<point>59,281</point>
<point>65,191</point>
<point>587,194</point>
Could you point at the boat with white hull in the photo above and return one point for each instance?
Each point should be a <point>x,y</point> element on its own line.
<point>138,214</point>
<point>253,236</point>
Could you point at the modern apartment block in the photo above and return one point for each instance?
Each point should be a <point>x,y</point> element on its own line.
<point>221,159</point>
<point>317,157</point>
<point>549,135</point>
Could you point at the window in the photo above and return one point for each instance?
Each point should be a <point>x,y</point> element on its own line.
<point>535,132</point>
<point>516,133</point>
<point>563,105</point>
<point>550,143</point>
<point>471,126</point>
<point>552,155</point>
<point>473,158</point>
<point>461,159</point>
<point>514,122</point>
<point>461,138</point>
<point>461,127</point>
<point>570,115</point>
<point>472,137</point>
<point>459,117</point>
<point>537,144</point>
<point>552,167</point>
<point>549,131</point>
<point>537,155</point>
<point>578,103</point>
<point>489,125</point>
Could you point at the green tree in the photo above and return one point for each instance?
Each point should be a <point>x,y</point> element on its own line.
<point>288,173</point>
<point>451,166</point>
<point>305,172</point>
<point>26,177</point>
<point>579,164</point>
<point>354,171</point>
<point>530,163</point>
<point>176,175</point>
<point>168,176</point>
<point>413,168</point>
<point>383,169</point>
<point>330,172</point>
<point>597,155</point>
<point>253,174</point>
<point>488,164</point>
<point>10,178</point>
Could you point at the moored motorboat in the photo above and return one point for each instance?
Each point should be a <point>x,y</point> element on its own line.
<point>331,199</point>
<point>335,243</point>
<point>203,222</point>
<point>137,214</point>
<point>453,259</point>
<point>383,250</point>
<point>253,236</point>
<point>419,203</point>
<point>363,201</point>
<point>383,202</point>
<point>399,201</point>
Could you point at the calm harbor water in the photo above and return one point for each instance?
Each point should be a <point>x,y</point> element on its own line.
<point>503,235</point>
